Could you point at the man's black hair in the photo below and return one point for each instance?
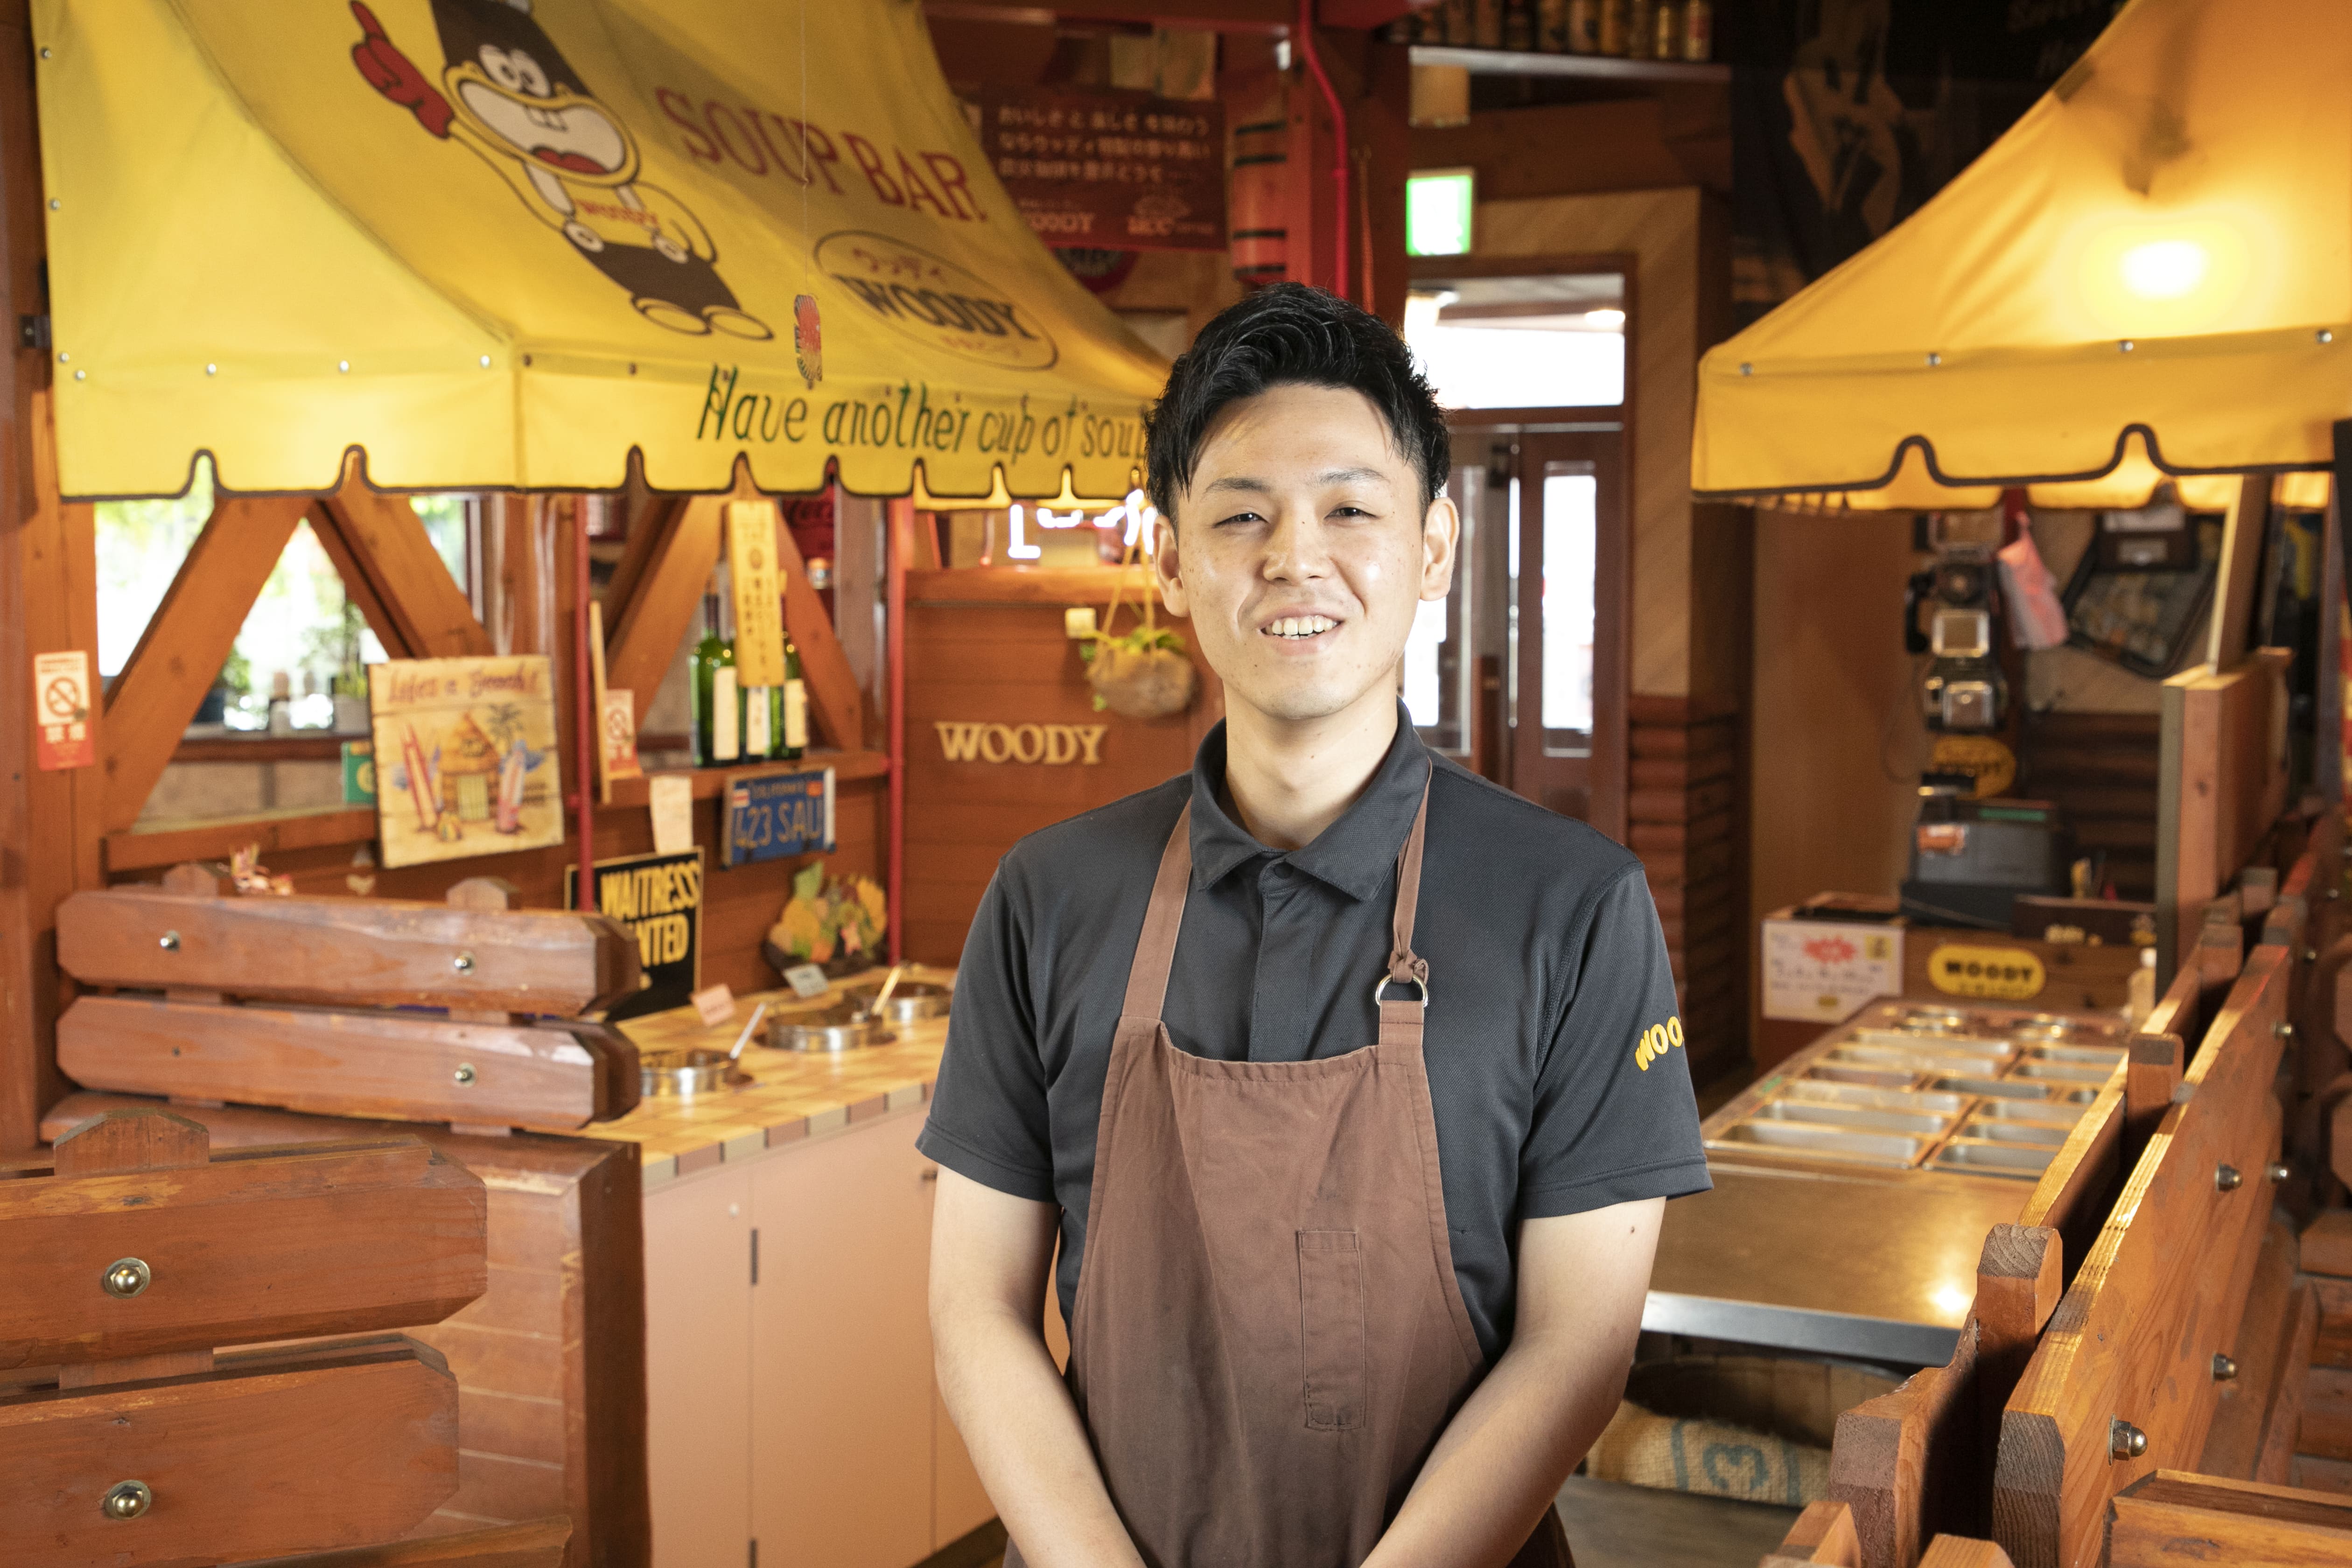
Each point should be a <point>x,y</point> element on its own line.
<point>1287,335</point>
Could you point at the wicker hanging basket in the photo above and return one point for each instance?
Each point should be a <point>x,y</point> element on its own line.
<point>1142,683</point>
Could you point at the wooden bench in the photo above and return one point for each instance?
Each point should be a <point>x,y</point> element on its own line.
<point>463,1013</point>
<point>130,1436</point>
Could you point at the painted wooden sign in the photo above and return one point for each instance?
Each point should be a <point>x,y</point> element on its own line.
<point>1050,743</point>
<point>466,758</point>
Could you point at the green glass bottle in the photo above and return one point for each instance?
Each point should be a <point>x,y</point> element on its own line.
<point>718,703</point>
<point>791,707</point>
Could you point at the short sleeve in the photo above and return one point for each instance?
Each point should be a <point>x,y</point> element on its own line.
<point>988,1118</point>
<point>1616,1119</point>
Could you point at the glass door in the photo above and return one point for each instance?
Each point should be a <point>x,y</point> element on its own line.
<point>1567,705</point>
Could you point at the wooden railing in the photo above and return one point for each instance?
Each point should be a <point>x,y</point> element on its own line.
<point>2065,1428</point>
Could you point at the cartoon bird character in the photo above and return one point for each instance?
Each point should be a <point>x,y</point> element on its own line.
<point>508,95</point>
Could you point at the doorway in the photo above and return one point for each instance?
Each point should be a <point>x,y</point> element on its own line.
<point>1521,672</point>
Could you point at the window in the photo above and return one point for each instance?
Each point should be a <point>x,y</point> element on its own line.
<point>302,625</point>
<point>1521,342</point>
<point>1571,538</point>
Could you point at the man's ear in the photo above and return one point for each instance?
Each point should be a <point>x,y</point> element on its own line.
<point>1168,568</point>
<point>1441,539</point>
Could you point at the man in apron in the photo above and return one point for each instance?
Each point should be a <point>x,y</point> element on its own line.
<point>1346,1082</point>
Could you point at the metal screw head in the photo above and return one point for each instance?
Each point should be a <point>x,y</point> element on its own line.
<point>2125,1441</point>
<point>2125,346</point>
<point>169,942</point>
<point>462,963</point>
<point>465,1073</point>
<point>2280,1171</point>
<point>2226,1179</point>
<point>126,1500</point>
<point>2224,1369</point>
<point>126,1277</point>
<point>2311,955</point>
<point>2282,1029</point>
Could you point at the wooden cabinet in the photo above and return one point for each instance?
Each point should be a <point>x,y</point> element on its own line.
<point>798,1408</point>
<point>697,1344</point>
<point>841,1369</point>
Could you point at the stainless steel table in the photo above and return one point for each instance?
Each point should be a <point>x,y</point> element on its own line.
<point>1879,1268</point>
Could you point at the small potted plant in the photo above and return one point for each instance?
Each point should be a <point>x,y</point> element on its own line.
<point>834,922</point>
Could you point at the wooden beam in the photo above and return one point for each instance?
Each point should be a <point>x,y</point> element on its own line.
<point>2243,528</point>
<point>648,626</point>
<point>384,544</point>
<point>180,653</point>
<point>834,698</point>
<point>655,518</point>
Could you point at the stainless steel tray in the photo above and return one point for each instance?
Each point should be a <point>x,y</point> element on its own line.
<point>1993,1159</point>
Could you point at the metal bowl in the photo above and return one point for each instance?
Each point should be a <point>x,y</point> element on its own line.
<point>684,1074</point>
<point>912,1001</point>
<point>840,1027</point>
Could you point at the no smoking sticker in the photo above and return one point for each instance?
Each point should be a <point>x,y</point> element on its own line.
<point>62,737</point>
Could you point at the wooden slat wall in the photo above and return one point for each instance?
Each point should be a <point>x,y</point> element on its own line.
<point>1013,664</point>
<point>1686,819</point>
<point>2100,770</point>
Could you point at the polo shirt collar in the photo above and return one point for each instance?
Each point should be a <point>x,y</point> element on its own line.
<point>1357,854</point>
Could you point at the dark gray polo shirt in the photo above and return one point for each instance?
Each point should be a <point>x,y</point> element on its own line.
<point>1547,970</point>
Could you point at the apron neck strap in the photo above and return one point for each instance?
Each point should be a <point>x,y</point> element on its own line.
<point>1405,965</point>
<point>1155,948</point>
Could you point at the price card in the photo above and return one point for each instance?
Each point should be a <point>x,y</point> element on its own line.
<point>807,981</point>
<point>670,798</point>
<point>715,1005</point>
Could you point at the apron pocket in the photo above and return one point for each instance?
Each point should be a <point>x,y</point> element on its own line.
<point>1331,1320</point>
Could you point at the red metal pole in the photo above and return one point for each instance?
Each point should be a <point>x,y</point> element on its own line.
<point>901,531</point>
<point>1305,47</point>
<point>584,706</point>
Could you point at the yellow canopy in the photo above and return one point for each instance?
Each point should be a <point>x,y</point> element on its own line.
<point>500,244</point>
<point>2150,274</point>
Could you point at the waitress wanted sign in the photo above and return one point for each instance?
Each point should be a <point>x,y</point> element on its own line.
<point>659,898</point>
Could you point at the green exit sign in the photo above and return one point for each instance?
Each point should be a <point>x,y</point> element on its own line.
<point>1437,203</point>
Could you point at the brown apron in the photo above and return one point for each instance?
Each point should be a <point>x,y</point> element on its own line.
<point>1268,1336</point>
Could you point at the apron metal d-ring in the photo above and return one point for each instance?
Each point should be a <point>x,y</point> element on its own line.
<point>1386,980</point>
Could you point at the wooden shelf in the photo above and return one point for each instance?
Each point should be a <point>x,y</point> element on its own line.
<point>1608,68</point>
<point>708,782</point>
<point>166,844</point>
<point>294,827</point>
<point>1023,584</point>
<point>257,746</point>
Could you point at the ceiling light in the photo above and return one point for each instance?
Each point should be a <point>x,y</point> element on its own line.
<point>2164,268</point>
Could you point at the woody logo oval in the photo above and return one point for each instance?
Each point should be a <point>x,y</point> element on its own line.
<point>934,301</point>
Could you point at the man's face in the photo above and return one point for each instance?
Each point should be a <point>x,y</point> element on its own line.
<point>1300,550</point>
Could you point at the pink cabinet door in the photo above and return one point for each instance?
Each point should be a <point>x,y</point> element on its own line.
<point>698,1401</point>
<point>840,1369</point>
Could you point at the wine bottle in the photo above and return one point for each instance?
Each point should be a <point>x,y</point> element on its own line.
<point>791,713</point>
<point>718,704</point>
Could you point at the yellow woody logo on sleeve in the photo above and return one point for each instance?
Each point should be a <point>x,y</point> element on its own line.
<point>1656,1040</point>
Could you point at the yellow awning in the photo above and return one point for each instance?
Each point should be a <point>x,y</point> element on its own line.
<point>499,244</point>
<point>2149,274</point>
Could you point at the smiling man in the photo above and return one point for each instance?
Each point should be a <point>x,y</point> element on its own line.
<point>1324,1063</point>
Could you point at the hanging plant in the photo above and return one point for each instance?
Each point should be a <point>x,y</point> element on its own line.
<point>1142,673</point>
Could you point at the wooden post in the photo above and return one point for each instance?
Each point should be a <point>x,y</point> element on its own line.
<point>50,821</point>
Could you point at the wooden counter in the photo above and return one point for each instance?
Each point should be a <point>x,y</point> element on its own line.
<point>794,1094</point>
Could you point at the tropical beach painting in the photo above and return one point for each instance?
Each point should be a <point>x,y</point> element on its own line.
<point>466,757</point>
